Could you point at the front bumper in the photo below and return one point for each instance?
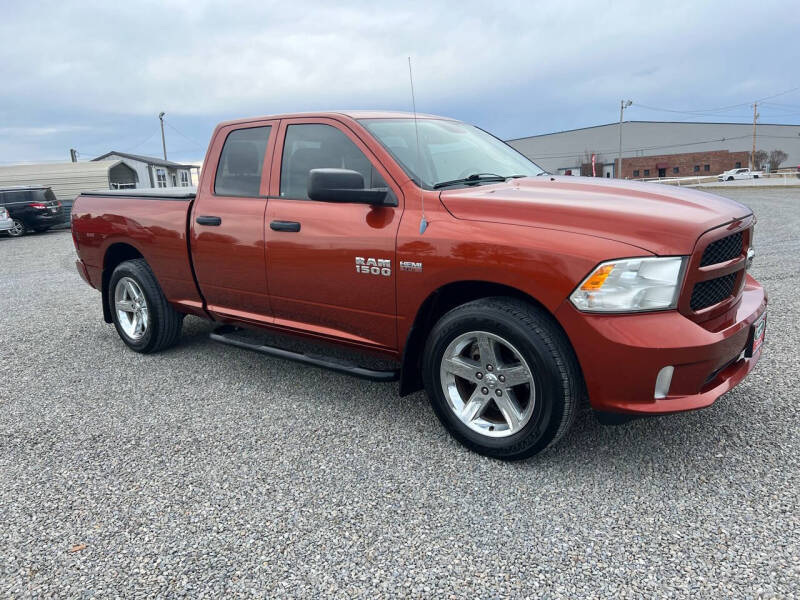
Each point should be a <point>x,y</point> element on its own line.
<point>6,224</point>
<point>621,355</point>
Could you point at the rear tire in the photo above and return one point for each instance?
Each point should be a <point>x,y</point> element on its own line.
<point>502,377</point>
<point>144,319</point>
<point>18,230</point>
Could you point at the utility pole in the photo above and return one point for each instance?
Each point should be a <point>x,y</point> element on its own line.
<point>163,141</point>
<point>623,104</point>
<point>753,154</point>
<point>73,155</point>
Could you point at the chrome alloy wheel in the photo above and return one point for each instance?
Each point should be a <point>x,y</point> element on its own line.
<point>17,229</point>
<point>488,384</point>
<point>131,307</point>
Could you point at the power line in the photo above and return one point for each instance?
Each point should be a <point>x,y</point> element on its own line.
<point>783,105</point>
<point>779,94</point>
<point>142,143</point>
<point>698,112</point>
<point>198,144</point>
<point>707,111</point>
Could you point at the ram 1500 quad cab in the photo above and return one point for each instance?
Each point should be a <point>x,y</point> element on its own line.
<point>509,294</point>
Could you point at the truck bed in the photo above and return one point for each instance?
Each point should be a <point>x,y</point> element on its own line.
<point>150,222</point>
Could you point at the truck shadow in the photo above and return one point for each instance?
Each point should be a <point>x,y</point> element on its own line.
<point>640,447</point>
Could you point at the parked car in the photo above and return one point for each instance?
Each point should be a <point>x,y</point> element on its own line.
<point>509,294</point>
<point>6,222</point>
<point>743,173</point>
<point>32,208</point>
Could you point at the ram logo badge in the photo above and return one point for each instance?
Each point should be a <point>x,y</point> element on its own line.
<point>374,266</point>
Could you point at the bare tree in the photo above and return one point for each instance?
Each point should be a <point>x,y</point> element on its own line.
<point>776,157</point>
<point>759,159</point>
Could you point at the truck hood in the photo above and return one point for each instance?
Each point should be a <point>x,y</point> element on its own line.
<point>662,219</point>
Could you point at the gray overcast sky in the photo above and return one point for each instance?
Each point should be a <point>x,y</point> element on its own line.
<point>94,75</point>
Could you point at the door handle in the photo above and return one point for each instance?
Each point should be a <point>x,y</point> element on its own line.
<point>292,226</point>
<point>208,220</point>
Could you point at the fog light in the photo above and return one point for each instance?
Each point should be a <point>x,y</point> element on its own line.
<point>751,254</point>
<point>663,382</point>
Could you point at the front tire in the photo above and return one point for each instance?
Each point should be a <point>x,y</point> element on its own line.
<point>502,377</point>
<point>144,319</point>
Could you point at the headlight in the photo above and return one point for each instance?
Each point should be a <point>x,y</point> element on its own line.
<point>631,285</point>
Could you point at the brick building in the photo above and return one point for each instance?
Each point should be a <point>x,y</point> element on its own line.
<point>683,165</point>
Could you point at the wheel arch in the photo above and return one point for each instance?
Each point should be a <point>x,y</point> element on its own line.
<point>115,254</point>
<point>439,302</point>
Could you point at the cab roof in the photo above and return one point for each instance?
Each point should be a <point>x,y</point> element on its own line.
<point>333,114</point>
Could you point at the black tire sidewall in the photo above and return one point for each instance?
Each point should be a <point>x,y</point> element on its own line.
<point>542,360</point>
<point>140,275</point>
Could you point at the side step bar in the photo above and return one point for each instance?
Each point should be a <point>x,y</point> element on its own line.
<point>226,335</point>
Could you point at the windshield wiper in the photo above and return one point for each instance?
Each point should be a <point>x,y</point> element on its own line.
<point>474,178</point>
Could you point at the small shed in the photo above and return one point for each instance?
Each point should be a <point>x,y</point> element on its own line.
<point>69,179</point>
<point>152,172</point>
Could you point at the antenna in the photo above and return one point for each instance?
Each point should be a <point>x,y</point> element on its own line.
<point>423,224</point>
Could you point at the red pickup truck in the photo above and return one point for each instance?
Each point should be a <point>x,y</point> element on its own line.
<point>509,294</point>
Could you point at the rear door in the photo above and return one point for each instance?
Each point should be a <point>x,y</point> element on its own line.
<point>227,223</point>
<point>331,265</point>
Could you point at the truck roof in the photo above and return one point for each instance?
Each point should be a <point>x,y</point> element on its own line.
<point>353,114</point>
<point>22,188</point>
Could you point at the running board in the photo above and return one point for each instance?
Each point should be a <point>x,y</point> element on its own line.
<point>227,335</point>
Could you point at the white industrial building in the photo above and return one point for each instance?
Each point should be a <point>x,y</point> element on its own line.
<point>151,172</point>
<point>567,150</point>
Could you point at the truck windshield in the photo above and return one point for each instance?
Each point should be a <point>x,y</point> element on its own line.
<point>450,152</point>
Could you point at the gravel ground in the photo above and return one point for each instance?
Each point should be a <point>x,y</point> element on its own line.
<point>208,471</point>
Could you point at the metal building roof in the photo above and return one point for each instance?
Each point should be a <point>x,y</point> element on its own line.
<point>150,160</point>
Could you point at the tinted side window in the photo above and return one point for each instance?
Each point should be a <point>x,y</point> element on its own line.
<point>241,162</point>
<point>309,147</point>
<point>19,196</point>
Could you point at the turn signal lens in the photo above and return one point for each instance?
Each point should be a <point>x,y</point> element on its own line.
<point>631,285</point>
<point>598,278</point>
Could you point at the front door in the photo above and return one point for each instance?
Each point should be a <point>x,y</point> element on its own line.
<point>331,266</point>
<point>227,224</point>
<point>662,172</point>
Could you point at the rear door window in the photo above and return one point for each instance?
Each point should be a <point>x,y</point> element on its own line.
<point>241,162</point>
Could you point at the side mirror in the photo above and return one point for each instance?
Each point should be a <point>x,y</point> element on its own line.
<point>343,185</point>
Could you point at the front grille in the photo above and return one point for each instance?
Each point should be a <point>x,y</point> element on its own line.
<point>722,250</point>
<point>713,291</point>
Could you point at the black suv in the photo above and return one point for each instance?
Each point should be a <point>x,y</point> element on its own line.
<point>33,208</point>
